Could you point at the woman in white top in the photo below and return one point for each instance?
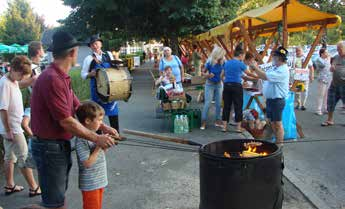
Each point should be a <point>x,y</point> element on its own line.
<point>323,65</point>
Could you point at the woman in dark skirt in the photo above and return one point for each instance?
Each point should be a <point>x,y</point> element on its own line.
<point>233,91</point>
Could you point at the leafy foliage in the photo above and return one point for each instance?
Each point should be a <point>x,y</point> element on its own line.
<point>20,24</point>
<point>147,19</point>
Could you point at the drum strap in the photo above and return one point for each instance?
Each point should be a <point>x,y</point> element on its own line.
<point>95,59</point>
<point>105,58</point>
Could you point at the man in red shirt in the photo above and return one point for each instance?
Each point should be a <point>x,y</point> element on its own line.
<point>53,106</point>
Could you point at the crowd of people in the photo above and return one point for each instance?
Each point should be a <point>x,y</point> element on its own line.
<point>225,80</point>
<point>48,136</point>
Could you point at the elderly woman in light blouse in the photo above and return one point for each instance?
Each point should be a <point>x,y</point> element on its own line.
<point>323,65</point>
<point>175,63</point>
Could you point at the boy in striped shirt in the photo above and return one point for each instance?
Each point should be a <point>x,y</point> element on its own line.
<point>91,158</point>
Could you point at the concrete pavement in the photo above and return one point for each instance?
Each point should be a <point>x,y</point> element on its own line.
<point>147,178</point>
<point>318,168</point>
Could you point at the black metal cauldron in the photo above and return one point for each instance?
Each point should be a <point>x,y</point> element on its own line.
<point>240,183</point>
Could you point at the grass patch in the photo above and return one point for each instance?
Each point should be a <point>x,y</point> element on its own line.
<point>80,87</point>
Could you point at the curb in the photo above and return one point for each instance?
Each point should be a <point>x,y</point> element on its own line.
<point>305,189</point>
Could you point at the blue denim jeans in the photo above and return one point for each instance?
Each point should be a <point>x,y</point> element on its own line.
<point>53,160</point>
<point>212,90</point>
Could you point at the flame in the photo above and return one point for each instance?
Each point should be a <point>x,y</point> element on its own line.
<point>227,155</point>
<point>250,151</point>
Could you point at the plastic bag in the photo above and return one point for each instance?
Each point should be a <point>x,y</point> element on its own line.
<point>289,118</point>
<point>254,105</point>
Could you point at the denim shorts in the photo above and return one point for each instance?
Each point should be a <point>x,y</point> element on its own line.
<point>335,93</point>
<point>274,109</point>
<point>53,161</point>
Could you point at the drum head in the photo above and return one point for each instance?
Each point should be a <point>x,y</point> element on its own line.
<point>102,82</point>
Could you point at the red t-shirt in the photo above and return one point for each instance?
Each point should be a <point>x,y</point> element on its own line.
<point>52,101</point>
<point>184,60</point>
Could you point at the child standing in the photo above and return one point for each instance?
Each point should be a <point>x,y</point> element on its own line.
<point>167,80</point>
<point>11,115</point>
<point>91,158</point>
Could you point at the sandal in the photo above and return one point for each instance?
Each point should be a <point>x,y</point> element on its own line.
<point>327,123</point>
<point>239,131</point>
<point>34,192</point>
<point>218,125</point>
<point>14,189</point>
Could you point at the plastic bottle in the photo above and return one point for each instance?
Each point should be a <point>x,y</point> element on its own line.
<point>186,126</point>
<point>181,125</point>
<point>176,124</point>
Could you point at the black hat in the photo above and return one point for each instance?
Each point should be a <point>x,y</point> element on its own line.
<point>281,52</point>
<point>93,39</point>
<point>61,41</point>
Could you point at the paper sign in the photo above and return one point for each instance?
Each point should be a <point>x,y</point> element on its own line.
<point>136,61</point>
<point>266,66</point>
<point>301,74</point>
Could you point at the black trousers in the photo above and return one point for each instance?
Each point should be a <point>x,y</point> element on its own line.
<point>233,95</point>
<point>114,122</point>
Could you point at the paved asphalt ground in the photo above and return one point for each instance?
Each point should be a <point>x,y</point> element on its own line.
<point>147,178</point>
<point>319,168</point>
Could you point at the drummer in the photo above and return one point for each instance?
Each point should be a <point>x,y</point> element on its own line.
<point>99,59</point>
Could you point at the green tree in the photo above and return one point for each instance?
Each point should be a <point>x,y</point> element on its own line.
<point>145,19</point>
<point>21,24</point>
<point>2,27</point>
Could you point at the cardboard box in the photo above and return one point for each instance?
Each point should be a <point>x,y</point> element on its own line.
<point>196,80</point>
<point>166,106</point>
<point>178,97</point>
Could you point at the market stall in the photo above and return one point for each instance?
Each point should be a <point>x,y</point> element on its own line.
<point>272,22</point>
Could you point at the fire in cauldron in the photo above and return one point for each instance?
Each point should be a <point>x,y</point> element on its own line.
<point>236,173</point>
<point>241,174</point>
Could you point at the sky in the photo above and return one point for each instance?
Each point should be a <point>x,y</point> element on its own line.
<point>52,10</point>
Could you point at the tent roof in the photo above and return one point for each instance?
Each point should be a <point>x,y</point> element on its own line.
<point>299,18</point>
<point>15,45</point>
<point>14,48</point>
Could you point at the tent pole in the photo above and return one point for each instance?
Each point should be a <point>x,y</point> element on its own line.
<point>222,44</point>
<point>182,49</point>
<point>249,42</point>
<point>202,48</point>
<point>208,46</point>
<point>274,48</point>
<point>312,49</point>
<point>268,43</point>
<point>285,24</point>
<point>231,39</point>
<point>226,46</point>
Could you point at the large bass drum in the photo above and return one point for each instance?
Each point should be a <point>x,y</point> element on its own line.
<point>114,84</point>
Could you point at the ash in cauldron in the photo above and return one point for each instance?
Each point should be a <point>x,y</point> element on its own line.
<point>234,175</point>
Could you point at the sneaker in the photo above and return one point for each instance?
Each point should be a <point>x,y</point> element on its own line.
<point>303,108</point>
<point>297,107</point>
<point>203,126</point>
<point>318,113</point>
